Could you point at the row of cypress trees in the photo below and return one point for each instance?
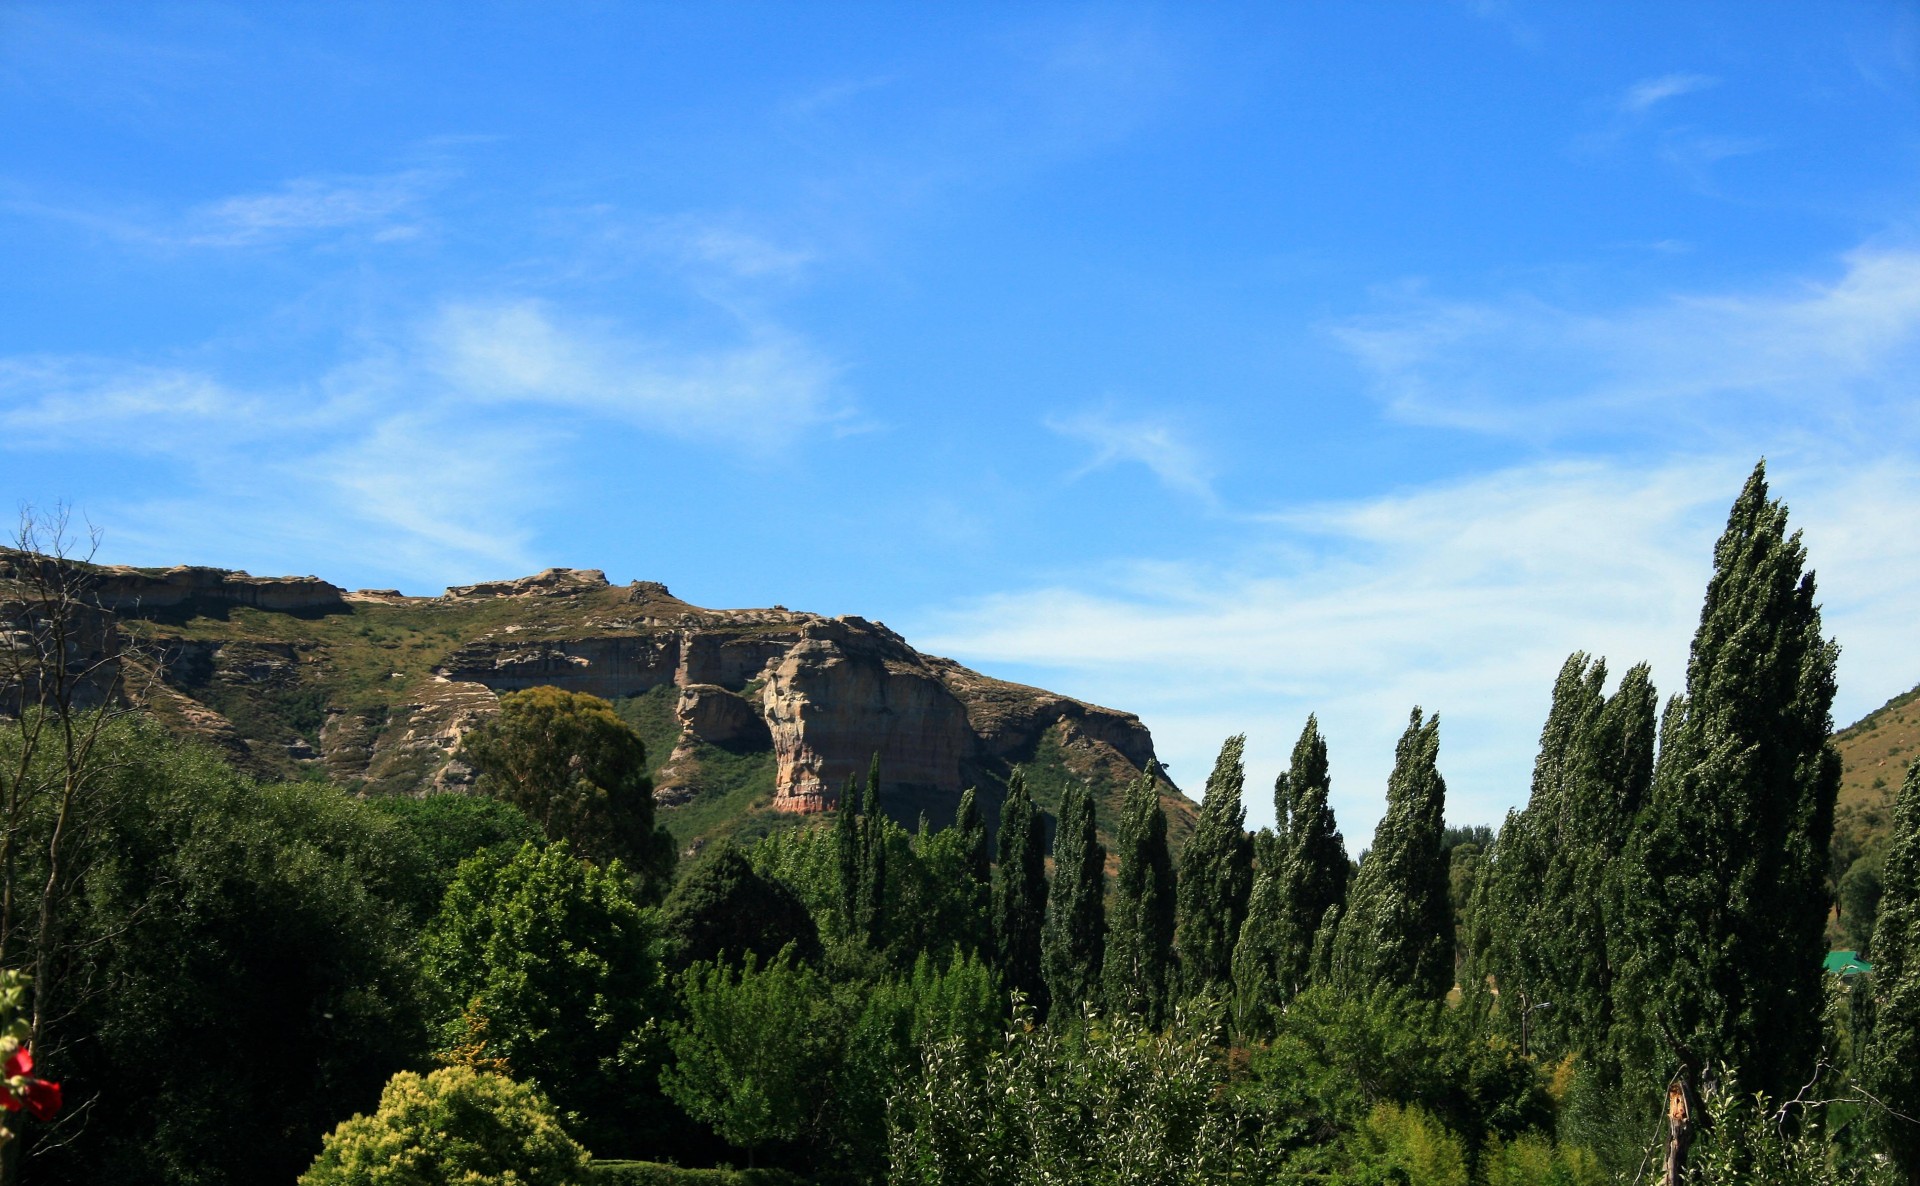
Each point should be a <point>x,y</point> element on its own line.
<point>1659,902</point>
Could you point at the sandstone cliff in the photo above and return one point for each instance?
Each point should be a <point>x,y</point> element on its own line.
<point>757,710</point>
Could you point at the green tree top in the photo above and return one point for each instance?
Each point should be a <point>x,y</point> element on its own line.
<point>1727,873</point>
<point>544,965</point>
<point>580,772</point>
<point>1216,876</point>
<point>1397,928</point>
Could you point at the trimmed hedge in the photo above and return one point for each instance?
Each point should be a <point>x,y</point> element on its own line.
<point>653,1173</point>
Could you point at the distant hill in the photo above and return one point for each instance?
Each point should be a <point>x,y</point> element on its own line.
<point>753,718</point>
<point>1875,752</point>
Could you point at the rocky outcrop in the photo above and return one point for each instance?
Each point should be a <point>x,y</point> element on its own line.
<point>847,691</point>
<point>137,590</point>
<point>378,688</point>
<point>718,717</point>
<point>551,582</point>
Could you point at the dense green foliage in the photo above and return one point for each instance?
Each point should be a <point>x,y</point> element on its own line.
<point>1020,893</point>
<point>756,1052</point>
<point>1551,925</point>
<point>543,966</point>
<point>243,953</point>
<point>1139,957</point>
<point>722,909</point>
<point>241,967</point>
<point>1397,926</point>
<point>1216,875</point>
<point>1891,1061</point>
<point>446,829</point>
<point>1074,939</point>
<point>653,1173</point>
<point>1725,878</point>
<point>455,1127</point>
<point>1302,881</point>
<point>577,770</point>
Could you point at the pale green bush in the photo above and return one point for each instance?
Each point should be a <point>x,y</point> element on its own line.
<point>455,1127</point>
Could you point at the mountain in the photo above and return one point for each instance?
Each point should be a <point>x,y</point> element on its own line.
<point>1874,754</point>
<point>753,718</point>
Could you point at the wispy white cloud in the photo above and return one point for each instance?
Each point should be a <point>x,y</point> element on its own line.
<point>1463,597</point>
<point>763,391</point>
<point>1648,93</point>
<point>385,208</point>
<point>1154,442</point>
<point>310,204</point>
<point>1834,355</point>
<point>382,453</point>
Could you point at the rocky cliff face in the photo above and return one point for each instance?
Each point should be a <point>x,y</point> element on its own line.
<point>378,689</point>
<point>826,694</point>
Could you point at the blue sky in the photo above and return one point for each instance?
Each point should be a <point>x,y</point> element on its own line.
<point>1221,363</point>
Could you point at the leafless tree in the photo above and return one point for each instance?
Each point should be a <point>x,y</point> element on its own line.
<point>64,671</point>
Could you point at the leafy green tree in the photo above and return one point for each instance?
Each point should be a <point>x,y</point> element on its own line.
<point>756,1051</point>
<point>449,828</point>
<point>849,858</point>
<point>721,910</point>
<point>454,1127</point>
<point>1397,928</point>
<point>543,966</point>
<point>1115,1102</point>
<point>1303,877</point>
<point>970,826</point>
<point>1890,1063</point>
<point>1551,925</point>
<point>1725,880</point>
<point>246,954</point>
<point>871,899</point>
<point>1216,875</point>
<point>1020,893</point>
<point>1313,869</point>
<point>1139,958</point>
<point>959,881</point>
<point>1256,981</point>
<point>1074,937</point>
<point>580,772</point>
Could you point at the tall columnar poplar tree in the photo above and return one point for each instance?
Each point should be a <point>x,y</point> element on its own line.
<point>1890,1066</point>
<point>1549,926</point>
<point>847,852</point>
<point>1398,925</point>
<point>1313,869</point>
<point>1020,893</point>
<point>1074,940</point>
<point>1139,958</point>
<point>870,919</point>
<point>1303,874</point>
<point>1216,876</point>
<point>972,826</point>
<point>1725,880</point>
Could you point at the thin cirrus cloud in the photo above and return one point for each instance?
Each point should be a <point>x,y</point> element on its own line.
<point>1463,598</point>
<point>384,208</point>
<point>382,204</point>
<point>1832,355</point>
<point>1648,93</point>
<point>1155,443</point>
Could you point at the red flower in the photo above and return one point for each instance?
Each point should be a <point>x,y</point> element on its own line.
<point>41,1097</point>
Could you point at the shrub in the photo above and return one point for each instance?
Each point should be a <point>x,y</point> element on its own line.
<point>1405,1145</point>
<point>455,1127</point>
<point>1533,1160</point>
<point>652,1173</point>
